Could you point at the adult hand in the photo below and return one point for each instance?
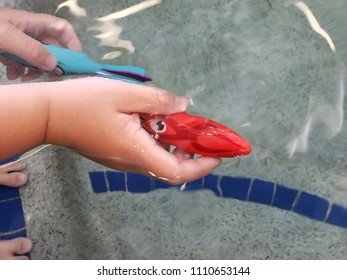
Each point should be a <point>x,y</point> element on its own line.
<point>95,117</point>
<point>22,33</point>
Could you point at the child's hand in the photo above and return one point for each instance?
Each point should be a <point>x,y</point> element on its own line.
<point>95,117</point>
<point>22,33</point>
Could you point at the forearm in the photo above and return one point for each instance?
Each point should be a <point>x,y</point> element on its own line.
<point>23,117</point>
<point>59,113</point>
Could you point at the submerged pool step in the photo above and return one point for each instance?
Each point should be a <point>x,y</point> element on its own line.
<point>12,222</point>
<point>244,189</point>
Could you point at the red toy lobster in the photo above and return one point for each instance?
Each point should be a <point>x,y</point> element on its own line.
<point>195,134</point>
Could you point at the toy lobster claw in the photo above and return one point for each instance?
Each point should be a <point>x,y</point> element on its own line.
<point>193,134</point>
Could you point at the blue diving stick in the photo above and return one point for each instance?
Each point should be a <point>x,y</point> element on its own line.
<point>78,63</point>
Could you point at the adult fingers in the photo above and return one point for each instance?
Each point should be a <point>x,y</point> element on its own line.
<point>47,39</point>
<point>15,41</point>
<point>55,27</point>
<point>18,37</point>
<point>31,74</point>
<point>14,71</point>
<point>36,24</point>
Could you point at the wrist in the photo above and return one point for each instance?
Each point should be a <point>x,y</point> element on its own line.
<point>58,116</point>
<point>69,111</point>
<point>23,117</point>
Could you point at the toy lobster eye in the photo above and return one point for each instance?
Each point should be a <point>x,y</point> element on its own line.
<point>159,126</point>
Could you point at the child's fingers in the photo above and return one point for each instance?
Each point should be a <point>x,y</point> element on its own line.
<point>15,248</point>
<point>10,167</point>
<point>13,179</point>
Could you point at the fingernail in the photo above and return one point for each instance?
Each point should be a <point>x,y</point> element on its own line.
<point>182,103</point>
<point>50,63</point>
<point>23,165</point>
<point>22,178</point>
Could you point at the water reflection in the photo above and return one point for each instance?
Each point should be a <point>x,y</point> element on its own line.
<point>315,24</point>
<point>73,7</point>
<point>109,30</point>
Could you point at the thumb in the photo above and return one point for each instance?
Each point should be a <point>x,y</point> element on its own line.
<point>25,47</point>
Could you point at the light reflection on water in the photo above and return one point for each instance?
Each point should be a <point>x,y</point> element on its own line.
<point>108,30</point>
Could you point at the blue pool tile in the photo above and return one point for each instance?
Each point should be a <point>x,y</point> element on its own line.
<point>284,197</point>
<point>116,180</point>
<point>311,206</point>
<point>261,192</point>
<point>18,233</point>
<point>139,183</point>
<point>210,182</point>
<point>11,216</point>
<point>235,187</point>
<point>338,216</point>
<point>194,185</point>
<point>7,192</point>
<point>9,160</point>
<point>161,185</point>
<point>98,181</point>
<point>12,222</point>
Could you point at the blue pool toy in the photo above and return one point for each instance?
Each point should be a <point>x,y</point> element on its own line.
<point>78,63</point>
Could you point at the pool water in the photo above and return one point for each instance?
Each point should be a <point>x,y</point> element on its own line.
<point>257,66</point>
